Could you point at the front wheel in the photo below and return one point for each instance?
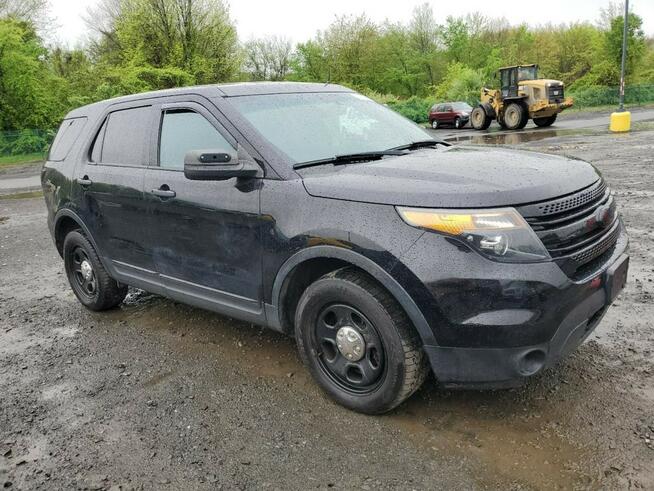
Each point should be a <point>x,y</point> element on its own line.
<point>91,283</point>
<point>434,124</point>
<point>479,119</point>
<point>543,122</point>
<point>358,343</point>
<point>514,116</point>
<point>458,123</point>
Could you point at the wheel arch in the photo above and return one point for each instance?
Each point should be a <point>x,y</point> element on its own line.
<point>488,109</point>
<point>321,260</point>
<point>65,221</point>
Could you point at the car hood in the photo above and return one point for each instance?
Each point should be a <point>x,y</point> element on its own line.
<point>455,177</point>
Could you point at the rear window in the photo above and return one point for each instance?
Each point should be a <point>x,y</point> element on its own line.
<point>126,137</point>
<point>66,137</point>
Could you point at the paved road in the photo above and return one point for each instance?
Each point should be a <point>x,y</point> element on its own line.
<point>568,125</point>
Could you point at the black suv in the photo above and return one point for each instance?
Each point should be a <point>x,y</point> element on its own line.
<point>312,210</point>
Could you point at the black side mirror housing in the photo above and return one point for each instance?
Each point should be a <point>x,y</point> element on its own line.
<point>220,165</point>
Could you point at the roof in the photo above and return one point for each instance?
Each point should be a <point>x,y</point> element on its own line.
<point>518,66</point>
<point>217,90</point>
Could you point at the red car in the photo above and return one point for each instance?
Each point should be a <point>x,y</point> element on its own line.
<point>455,114</point>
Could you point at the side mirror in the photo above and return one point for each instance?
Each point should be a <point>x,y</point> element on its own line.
<point>220,165</point>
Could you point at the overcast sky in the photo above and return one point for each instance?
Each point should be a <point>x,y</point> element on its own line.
<point>300,19</point>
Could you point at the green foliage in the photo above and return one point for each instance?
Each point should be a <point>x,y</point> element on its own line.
<point>23,142</point>
<point>144,45</point>
<point>635,41</point>
<point>461,83</point>
<point>601,96</point>
<point>28,91</point>
<point>414,108</point>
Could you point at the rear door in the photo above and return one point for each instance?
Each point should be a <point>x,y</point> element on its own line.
<point>111,183</point>
<point>205,235</point>
<point>448,114</point>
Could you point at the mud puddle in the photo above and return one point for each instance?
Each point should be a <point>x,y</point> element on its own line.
<point>524,449</point>
<point>516,137</point>
<point>520,446</point>
<point>197,332</point>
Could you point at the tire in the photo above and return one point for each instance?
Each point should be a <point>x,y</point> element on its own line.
<point>457,123</point>
<point>434,124</point>
<point>501,122</point>
<point>392,365</point>
<point>544,122</point>
<point>93,287</point>
<point>479,119</point>
<point>514,116</point>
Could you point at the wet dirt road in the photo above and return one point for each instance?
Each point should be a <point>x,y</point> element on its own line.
<point>157,395</point>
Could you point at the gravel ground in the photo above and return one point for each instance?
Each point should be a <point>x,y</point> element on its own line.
<point>157,395</point>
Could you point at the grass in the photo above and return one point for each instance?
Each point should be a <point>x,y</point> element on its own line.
<point>28,158</point>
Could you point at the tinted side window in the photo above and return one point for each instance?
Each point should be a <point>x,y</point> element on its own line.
<point>126,137</point>
<point>183,131</point>
<point>440,108</point>
<point>68,133</point>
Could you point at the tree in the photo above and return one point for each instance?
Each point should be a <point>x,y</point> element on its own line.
<point>31,11</point>
<point>635,41</point>
<point>194,36</point>
<point>423,33</point>
<point>30,95</point>
<point>268,59</point>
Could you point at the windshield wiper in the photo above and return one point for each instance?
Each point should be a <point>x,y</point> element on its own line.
<point>419,144</point>
<point>349,158</point>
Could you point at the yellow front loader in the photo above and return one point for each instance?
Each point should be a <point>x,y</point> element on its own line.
<point>522,96</point>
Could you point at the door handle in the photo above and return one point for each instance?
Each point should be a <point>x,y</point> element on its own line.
<point>85,181</point>
<point>164,192</point>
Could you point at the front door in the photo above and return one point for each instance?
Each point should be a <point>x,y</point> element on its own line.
<point>205,236</point>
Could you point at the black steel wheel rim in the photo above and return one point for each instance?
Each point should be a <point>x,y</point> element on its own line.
<point>86,284</point>
<point>355,376</point>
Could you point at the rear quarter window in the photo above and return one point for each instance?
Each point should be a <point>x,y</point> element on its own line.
<point>68,133</point>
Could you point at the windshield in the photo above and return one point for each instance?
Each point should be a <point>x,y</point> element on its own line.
<point>321,125</point>
<point>461,106</point>
<point>527,73</point>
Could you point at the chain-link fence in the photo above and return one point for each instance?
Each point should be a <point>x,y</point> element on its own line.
<point>24,145</point>
<point>607,96</point>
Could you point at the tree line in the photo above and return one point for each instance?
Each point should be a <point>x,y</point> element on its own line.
<point>140,45</point>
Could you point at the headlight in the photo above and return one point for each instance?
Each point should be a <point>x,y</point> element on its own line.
<point>500,234</point>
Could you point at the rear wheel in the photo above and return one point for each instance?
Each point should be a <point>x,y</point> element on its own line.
<point>434,124</point>
<point>91,283</point>
<point>543,122</point>
<point>479,119</point>
<point>514,116</point>
<point>358,343</point>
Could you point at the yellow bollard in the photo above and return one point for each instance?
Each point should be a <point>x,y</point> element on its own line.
<point>620,121</point>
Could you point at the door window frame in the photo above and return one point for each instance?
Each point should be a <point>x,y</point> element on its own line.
<point>100,129</point>
<point>192,106</point>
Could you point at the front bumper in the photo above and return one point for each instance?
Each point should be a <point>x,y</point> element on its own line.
<point>496,332</point>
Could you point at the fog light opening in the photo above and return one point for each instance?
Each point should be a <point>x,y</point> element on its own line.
<point>532,362</point>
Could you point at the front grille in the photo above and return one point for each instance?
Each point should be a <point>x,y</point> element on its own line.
<point>578,228</point>
<point>555,93</point>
